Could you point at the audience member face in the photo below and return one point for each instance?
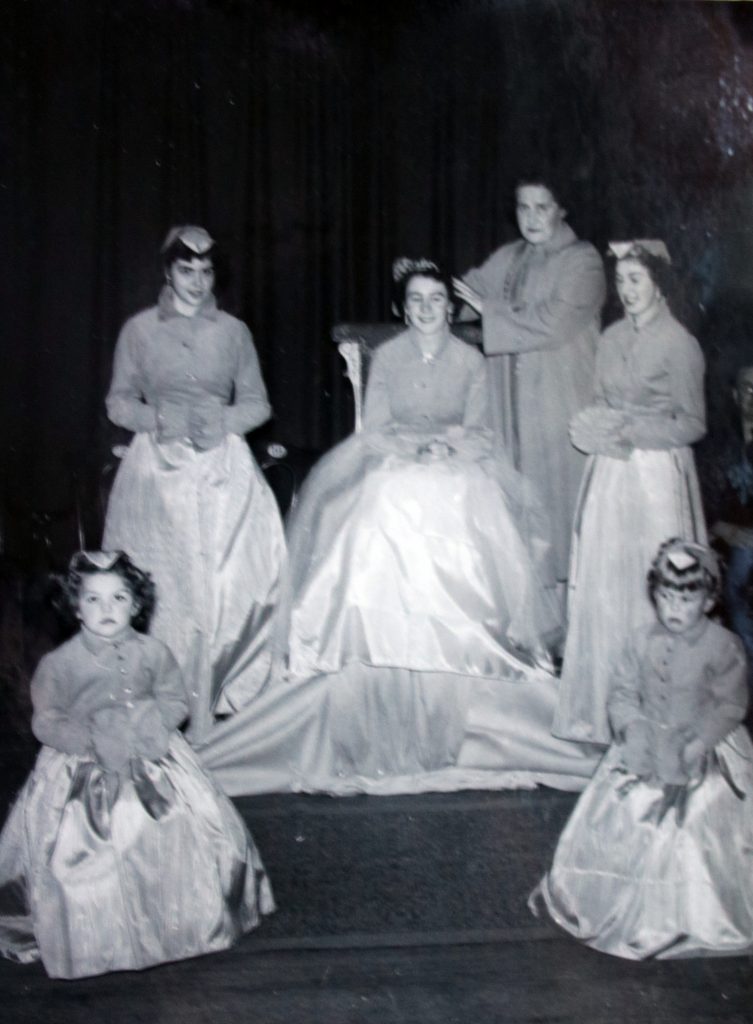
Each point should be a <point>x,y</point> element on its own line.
<point>744,398</point>
<point>539,214</point>
<point>680,610</point>
<point>192,282</point>
<point>636,289</point>
<point>105,604</point>
<point>427,304</point>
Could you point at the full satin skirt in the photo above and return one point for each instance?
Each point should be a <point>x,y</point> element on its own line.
<point>384,731</point>
<point>632,882</point>
<point>411,622</point>
<point>96,879</point>
<point>627,508</point>
<point>427,567</point>
<point>207,527</point>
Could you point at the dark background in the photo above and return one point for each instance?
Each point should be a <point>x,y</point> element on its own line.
<point>317,141</point>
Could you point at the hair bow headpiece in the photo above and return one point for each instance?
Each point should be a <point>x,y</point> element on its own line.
<point>196,239</point>
<point>638,247</point>
<point>99,559</point>
<point>685,555</point>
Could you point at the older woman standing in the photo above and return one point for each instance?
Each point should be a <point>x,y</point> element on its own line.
<point>640,486</point>
<point>189,503</point>
<point>540,300</point>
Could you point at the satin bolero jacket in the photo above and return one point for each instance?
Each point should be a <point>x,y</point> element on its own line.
<point>693,681</point>
<point>654,374</point>
<point>164,357</point>
<point>407,389</point>
<point>88,674</point>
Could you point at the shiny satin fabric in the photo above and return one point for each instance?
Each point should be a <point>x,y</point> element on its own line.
<point>637,880</point>
<point>432,566</point>
<point>100,873</point>
<point>412,615</point>
<point>206,525</point>
<point>383,731</point>
<point>625,511</point>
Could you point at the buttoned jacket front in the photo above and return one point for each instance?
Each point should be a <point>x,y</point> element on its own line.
<point>88,674</point>
<point>694,682</point>
<point>163,357</point>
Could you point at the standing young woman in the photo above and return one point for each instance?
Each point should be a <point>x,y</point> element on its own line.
<point>640,485</point>
<point>188,500</point>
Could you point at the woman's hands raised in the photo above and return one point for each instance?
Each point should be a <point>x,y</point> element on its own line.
<point>468,295</point>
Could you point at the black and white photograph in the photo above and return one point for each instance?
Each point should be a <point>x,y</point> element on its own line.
<point>376,511</point>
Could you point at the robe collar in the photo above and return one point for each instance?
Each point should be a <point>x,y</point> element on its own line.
<point>562,236</point>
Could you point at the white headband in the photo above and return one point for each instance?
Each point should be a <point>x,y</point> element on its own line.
<point>638,246</point>
<point>194,238</point>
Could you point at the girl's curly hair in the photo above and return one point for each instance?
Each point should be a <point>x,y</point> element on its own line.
<point>88,563</point>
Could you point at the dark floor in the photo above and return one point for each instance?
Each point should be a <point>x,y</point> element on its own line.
<point>553,981</point>
<point>399,910</point>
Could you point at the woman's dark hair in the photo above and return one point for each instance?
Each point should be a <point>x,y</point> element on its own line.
<point>403,272</point>
<point>85,563</point>
<point>660,270</point>
<point>542,180</point>
<point>178,250</point>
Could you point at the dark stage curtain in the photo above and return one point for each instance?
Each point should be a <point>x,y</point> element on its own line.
<point>317,141</point>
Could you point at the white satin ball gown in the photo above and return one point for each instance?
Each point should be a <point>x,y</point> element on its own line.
<point>114,868</point>
<point>417,607</point>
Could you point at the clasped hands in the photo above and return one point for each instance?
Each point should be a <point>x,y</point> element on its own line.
<point>599,430</point>
<point>447,444</point>
<point>668,756</point>
<point>120,734</point>
<point>434,450</point>
<point>200,423</point>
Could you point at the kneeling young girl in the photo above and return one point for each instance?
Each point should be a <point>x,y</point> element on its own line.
<point>119,851</point>
<point>657,857</point>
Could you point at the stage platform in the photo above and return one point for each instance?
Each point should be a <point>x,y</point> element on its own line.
<point>398,910</point>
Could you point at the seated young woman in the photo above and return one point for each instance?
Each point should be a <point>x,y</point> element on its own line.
<point>419,600</point>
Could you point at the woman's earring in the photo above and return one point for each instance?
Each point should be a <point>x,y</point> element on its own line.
<point>405,318</point>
